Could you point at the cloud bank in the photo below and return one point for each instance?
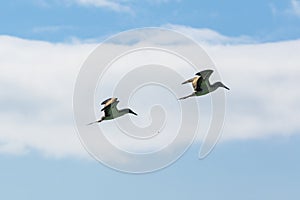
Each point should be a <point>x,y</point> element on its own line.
<point>37,80</point>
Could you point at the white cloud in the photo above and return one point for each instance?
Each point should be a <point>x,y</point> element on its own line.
<point>37,80</point>
<point>263,98</point>
<point>295,7</point>
<point>48,29</point>
<point>114,5</point>
<point>162,1</point>
<point>208,36</point>
<point>36,96</point>
<point>111,4</point>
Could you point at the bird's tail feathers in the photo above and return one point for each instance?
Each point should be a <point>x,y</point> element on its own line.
<point>98,121</point>
<point>191,95</point>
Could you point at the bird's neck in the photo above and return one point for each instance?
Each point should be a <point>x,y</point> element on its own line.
<point>214,86</point>
<point>123,111</point>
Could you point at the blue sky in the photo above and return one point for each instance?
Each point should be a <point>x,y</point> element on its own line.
<point>267,169</point>
<point>41,156</point>
<point>59,20</point>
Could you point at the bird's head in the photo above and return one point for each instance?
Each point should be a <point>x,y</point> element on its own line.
<point>220,84</point>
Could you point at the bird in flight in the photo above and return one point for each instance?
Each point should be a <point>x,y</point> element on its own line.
<point>111,111</point>
<point>202,85</point>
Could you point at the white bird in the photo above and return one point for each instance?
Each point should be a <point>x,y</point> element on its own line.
<point>202,85</point>
<point>111,111</point>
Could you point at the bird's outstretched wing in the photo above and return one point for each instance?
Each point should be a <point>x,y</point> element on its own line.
<point>197,83</point>
<point>109,101</point>
<point>205,74</point>
<point>189,81</point>
<point>194,82</point>
<point>110,108</point>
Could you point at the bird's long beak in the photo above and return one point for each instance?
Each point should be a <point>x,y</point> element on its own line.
<point>226,87</point>
<point>133,113</point>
